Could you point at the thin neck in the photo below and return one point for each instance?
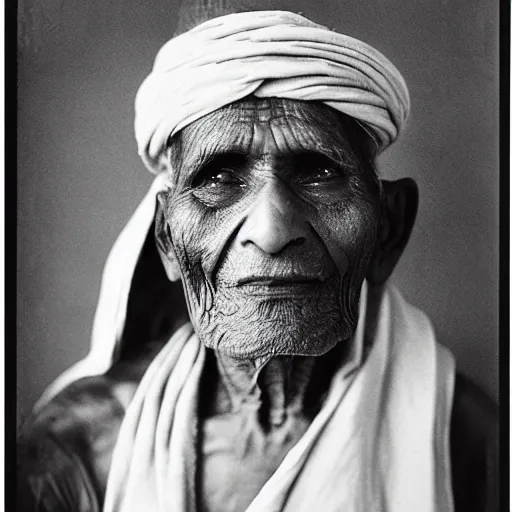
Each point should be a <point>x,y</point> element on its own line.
<point>276,387</point>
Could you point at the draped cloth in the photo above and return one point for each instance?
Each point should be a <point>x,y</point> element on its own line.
<point>380,442</point>
<point>267,54</point>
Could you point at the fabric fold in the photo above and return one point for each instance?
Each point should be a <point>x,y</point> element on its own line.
<point>379,443</point>
<point>267,54</point>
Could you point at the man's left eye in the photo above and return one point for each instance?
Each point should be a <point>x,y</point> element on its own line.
<point>319,176</point>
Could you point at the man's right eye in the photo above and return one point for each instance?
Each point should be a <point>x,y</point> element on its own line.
<point>220,178</point>
<point>224,177</point>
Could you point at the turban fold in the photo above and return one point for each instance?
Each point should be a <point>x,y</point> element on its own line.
<point>266,54</point>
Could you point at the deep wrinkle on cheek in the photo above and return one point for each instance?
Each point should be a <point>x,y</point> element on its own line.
<point>350,236</point>
<point>203,233</point>
<point>349,231</point>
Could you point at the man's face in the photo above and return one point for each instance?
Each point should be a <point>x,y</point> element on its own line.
<point>272,219</point>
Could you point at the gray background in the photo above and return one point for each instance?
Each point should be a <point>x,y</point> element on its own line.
<point>79,177</point>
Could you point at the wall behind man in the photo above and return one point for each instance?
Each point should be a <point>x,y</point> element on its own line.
<point>79,177</point>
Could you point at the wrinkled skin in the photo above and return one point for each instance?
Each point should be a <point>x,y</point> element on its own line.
<point>272,220</point>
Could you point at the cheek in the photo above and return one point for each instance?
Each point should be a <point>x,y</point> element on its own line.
<point>199,234</point>
<point>349,231</point>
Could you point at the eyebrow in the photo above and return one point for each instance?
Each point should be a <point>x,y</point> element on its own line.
<point>237,155</point>
<point>346,159</point>
<point>236,143</point>
<point>232,143</point>
<point>226,158</point>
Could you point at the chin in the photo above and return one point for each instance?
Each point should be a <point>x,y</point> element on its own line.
<point>287,334</point>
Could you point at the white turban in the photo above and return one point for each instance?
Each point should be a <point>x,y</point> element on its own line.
<point>267,54</point>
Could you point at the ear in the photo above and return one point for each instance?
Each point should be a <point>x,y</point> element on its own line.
<point>163,240</point>
<point>399,207</point>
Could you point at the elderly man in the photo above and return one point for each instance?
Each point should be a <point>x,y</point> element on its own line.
<point>295,379</point>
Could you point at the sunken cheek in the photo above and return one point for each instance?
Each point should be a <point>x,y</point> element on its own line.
<point>346,228</point>
<point>198,232</point>
<point>349,233</point>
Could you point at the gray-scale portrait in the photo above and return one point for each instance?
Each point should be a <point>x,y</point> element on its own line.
<point>257,256</point>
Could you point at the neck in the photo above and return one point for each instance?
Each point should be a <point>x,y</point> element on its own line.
<point>275,387</point>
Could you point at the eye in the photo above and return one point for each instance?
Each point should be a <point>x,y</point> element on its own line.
<point>315,170</point>
<point>214,179</point>
<point>319,176</point>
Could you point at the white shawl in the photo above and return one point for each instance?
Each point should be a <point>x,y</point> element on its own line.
<point>380,442</point>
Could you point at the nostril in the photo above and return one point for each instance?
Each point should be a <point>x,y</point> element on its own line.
<point>276,247</point>
<point>297,241</point>
<point>271,238</point>
<point>246,241</point>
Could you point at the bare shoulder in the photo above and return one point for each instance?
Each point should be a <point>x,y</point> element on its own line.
<point>474,448</point>
<point>65,450</point>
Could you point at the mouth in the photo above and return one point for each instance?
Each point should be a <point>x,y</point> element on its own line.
<point>278,287</point>
<point>275,282</point>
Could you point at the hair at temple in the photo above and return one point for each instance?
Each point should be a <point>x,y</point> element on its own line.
<point>362,142</point>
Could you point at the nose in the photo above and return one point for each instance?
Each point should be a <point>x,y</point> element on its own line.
<point>274,222</point>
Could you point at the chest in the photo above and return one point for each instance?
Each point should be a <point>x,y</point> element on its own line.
<point>238,457</point>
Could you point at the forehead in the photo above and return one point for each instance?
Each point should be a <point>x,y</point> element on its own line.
<point>246,126</point>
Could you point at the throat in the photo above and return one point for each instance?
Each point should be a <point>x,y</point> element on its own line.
<point>274,388</point>
<point>253,413</point>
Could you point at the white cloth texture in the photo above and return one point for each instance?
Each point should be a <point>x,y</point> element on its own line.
<point>267,54</point>
<point>380,442</point>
